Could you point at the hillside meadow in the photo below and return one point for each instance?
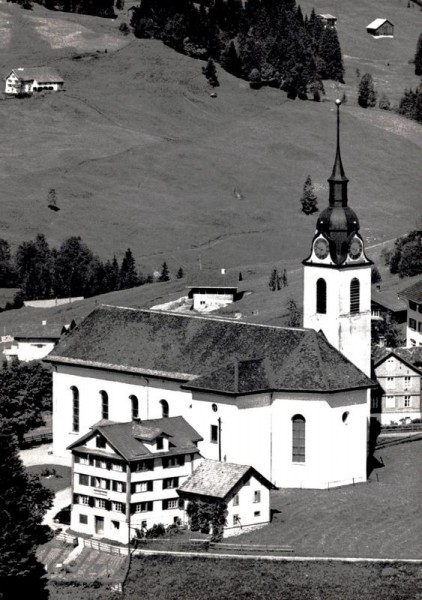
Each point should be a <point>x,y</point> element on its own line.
<point>141,156</point>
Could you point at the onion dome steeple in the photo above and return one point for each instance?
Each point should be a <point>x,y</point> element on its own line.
<point>338,222</point>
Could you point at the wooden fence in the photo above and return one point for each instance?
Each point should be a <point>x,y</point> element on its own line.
<point>32,439</point>
<point>104,547</point>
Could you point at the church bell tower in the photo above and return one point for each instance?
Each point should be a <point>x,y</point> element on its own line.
<point>337,274</point>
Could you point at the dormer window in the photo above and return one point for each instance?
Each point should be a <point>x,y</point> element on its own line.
<point>160,443</point>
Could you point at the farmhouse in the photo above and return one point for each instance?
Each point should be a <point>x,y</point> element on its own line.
<point>413,296</point>
<point>211,290</point>
<point>36,342</point>
<point>291,402</point>
<point>381,28</point>
<point>328,20</point>
<point>399,374</point>
<point>125,475</point>
<point>32,79</point>
<point>245,491</point>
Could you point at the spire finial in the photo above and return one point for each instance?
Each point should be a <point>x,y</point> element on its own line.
<point>338,180</point>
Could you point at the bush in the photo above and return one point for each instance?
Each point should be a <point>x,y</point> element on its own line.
<point>156,531</point>
<point>384,103</point>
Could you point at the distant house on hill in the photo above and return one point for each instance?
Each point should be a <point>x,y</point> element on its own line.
<point>328,20</point>
<point>36,342</point>
<point>33,79</point>
<point>413,296</point>
<point>211,290</point>
<point>381,28</point>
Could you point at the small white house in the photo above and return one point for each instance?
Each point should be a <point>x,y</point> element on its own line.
<point>37,342</point>
<point>125,475</point>
<point>380,28</point>
<point>211,290</point>
<point>33,79</point>
<point>328,20</point>
<point>245,491</point>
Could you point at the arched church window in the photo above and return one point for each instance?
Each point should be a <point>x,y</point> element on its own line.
<point>354,295</point>
<point>298,438</point>
<point>135,407</point>
<point>75,409</point>
<point>164,408</point>
<point>104,404</point>
<point>321,296</point>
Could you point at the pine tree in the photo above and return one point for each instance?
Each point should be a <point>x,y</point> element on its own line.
<point>210,73</point>
<point>275,281</point>
<point>23,503</point>
<point>309,200</point>
<point>128,277</point>
<point>180,273</point>
<point>165,274</point>
<point>418,57</point>
<point>331,61</point>
<point>231,62</point>
<point>284,280</point>
<point>367,96</point>
<point>294,315</point>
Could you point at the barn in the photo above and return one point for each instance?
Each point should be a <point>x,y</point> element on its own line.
<point>33,79</point>
<point>381,28</point>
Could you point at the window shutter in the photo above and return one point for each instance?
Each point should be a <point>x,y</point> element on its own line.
<point>107,484</point>
<point>181,460</point>
<point>165,463</point>
<point>181,503</point>
<point>165,504</point>
<point>91,502</point>
<point>132,508</point>
<point>91,460</point>
<point>124,488</point>
<point>165,484</point>
<point>93,482</point>
<point>108,505</point>
<point>77,458</point>
<point>75,498</point>
<point>150,486</point>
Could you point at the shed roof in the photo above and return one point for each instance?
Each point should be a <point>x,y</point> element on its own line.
<point>377,23</point>
<point>217,479</point>
<point>413,292</point>
<point>40,74</point>
<point>187,348</point>
<point>127,438</point>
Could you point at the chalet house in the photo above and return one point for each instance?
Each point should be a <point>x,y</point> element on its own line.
<point>380,28</point>
<point>413,296</point>
<point>399,374</point>
<point>328,20</point>
<point>211,290</point>
<point>37,342</point>
<point>33,79</point>
<point>245,491</point>
<point>125,476</point>
<point>386,301</point>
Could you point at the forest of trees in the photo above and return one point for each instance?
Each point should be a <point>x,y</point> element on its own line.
<point>41,272</point>
<point>406,257</point>
<point>268,39</point>
<point>98,8</point>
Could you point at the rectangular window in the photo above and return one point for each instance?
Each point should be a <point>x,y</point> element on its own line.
<point>118,486</point>
<point>84,460</point>
<point>257,496</point>
<point>170,483</point>
<point>160,443</point>
<point>83,479</point>
<point>236,500</point>
<point>390,364</point>
<point>101,464</point>
<point>390,402</point>
<point>118,506</point>
<point>84,500</point>
<point>173,461</point>
<point>412,324</point>
<point>143,507</point>
<point>171,504</point>
<point>391,382</point>
<point>117,467</point>
<point>406,401</point>
<point>100,503</point>
<point>83,519</point>
<point>144,465</point>
<point>142,486</point>
<point>374,402</point>
<point>298,439</point>
<point>257,513</point>
<point>100,442</point>
<point>214,434</point>
<point>407,382</point>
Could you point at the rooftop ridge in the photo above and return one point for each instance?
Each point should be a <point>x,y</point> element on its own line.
<point>204,318</point>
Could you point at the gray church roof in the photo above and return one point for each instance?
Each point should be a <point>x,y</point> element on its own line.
<point>230,357</point>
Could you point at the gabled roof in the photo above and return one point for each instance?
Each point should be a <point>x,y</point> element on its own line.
<point>40,74</point>
<point>412,357</point>
<point>326,16</point>
<point>377,23</point>
<point>216,479</point>
<point>127,438</point>
<point>414,292</point>
<point>50,332</point>
<point>185,347</point>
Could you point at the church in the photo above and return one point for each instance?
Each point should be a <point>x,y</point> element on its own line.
<point>291,402</point>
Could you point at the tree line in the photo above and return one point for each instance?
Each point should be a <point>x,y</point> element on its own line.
<point>98,8</point>
<point>265,40</point>
<point>41,272</point>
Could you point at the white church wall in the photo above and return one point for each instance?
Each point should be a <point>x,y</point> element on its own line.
<point>349,333</point>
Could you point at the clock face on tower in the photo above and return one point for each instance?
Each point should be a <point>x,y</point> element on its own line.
<point>321,248</point>
<point>355,248</point>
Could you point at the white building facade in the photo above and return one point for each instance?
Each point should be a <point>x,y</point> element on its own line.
<point>33,79</point>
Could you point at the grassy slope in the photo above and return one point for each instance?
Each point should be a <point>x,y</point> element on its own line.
<point>141,156</point>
